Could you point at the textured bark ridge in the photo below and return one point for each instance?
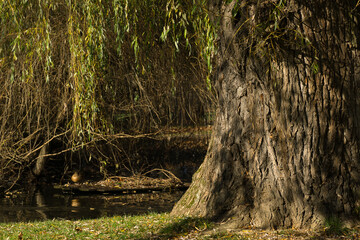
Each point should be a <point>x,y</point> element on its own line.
<point>285,145</point>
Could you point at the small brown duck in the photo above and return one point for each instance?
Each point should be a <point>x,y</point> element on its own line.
<point>76,177</point>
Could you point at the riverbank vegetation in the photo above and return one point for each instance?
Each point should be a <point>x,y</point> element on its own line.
<point>158,226</point>
<point>85,83</point>
<point>93,87</point>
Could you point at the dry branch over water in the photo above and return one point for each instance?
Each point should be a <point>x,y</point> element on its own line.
<point>127,185</point>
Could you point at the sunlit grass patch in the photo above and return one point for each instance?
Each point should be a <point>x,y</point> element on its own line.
<point>153,225</point>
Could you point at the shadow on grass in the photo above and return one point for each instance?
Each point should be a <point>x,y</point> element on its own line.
<point>182,227</point>
<point>194,228</point>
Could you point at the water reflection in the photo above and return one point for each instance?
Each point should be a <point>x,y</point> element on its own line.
<point>75,203</point>
<point>47,203</point>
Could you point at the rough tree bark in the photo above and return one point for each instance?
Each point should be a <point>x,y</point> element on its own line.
<point>285,145</point>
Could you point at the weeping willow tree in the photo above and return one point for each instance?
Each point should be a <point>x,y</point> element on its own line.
<point>285,144</point>
<point>73,72</point>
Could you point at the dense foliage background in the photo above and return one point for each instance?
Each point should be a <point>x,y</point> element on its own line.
<point>76,74</point>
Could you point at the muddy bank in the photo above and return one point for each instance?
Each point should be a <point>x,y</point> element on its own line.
<point>177,151</point>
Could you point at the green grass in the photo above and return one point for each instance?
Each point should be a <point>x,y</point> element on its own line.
<point>156,226</point>
<point>150,226</point>
<point>333,226</point>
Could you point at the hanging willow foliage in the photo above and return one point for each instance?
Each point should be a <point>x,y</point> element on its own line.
<point>76,69</point>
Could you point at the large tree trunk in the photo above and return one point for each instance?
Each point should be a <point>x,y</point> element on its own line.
<point>285,145</point>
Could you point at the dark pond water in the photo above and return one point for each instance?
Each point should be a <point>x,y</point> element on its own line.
<point>47,204</point>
